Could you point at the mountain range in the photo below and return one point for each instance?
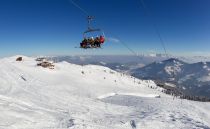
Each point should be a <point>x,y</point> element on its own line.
<point>192,79</point>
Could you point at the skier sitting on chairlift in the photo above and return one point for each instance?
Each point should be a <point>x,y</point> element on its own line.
<point>102,39</point>
<point>84,43</point>
<point>97,42</point>
<point>91,41</point>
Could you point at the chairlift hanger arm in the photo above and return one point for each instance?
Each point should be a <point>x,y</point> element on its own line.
<point>89,19</point>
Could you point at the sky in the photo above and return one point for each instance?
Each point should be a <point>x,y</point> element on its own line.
<point>55,27</point>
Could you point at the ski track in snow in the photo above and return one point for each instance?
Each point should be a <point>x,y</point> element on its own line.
<point>32,97</point>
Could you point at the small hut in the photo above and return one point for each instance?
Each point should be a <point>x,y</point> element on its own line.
<point>46,64</point>
<point>19,59</point>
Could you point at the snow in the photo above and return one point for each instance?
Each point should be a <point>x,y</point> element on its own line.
<point>204,78</point>
<point>170,84</point>
<point>128,94</point>
<point>187,77</point>
<point>205,66</point>
<point>103,63</point>
<point>88,97</point>
<point>161,113</point>
<point>173,69</point>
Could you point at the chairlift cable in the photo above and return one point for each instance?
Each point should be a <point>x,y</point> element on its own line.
<point>147,11</point>
<point>126,46</point>
<point>79,7</point>
<point>131,50</point>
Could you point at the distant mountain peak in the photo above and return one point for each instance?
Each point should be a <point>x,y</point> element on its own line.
<point>174,60</point>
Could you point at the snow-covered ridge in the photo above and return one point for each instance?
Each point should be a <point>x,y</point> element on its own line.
<point>195,78</point>
<point>67,97</point>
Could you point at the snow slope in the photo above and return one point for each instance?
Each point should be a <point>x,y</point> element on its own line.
<point>88,97</point>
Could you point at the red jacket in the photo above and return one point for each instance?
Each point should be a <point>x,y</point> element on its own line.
<point>102,39</point>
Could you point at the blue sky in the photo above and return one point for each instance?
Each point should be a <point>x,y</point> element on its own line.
<point>55,27</point>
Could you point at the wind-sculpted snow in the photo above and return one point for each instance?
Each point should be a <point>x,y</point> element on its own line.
<point>33,97</point>
<point>160,113</point>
